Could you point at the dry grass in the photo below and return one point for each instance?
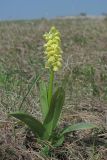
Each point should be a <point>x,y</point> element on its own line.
<point>84,42</point>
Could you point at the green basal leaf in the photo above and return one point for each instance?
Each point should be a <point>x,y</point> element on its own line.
<point>52,117</point>
<point>78,126</point>
<point>36,126</point>
<point>43,99</point>
<point>45,151</point>
<point>58,101</point>
<point>59,141</point>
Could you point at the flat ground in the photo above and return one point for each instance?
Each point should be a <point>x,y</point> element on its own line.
<point>84,43</point>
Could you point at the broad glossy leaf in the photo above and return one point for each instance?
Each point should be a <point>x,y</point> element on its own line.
<point>52,117</point>
<point>36,126</point>
<point>78,126</point>
<point>43,99</point>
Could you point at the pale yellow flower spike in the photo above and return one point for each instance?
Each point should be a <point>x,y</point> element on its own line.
<point>53,49</point>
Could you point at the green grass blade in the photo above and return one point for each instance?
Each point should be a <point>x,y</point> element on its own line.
<point>78,126</point>
<point>30,88</point>
<point>52,117</point>
<point>36,126</point>
<point>43,98</point>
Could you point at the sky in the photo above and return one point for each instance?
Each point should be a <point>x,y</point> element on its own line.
<point>35,9</point>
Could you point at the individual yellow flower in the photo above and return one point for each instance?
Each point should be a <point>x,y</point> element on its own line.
<point>53,49</point>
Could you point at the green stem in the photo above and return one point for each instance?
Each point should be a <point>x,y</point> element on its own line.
<point>50,88</point>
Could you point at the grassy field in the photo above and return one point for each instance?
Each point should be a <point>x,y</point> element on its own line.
<point>84,43</point>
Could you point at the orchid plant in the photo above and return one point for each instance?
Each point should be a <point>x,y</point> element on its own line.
<point>51,102</point>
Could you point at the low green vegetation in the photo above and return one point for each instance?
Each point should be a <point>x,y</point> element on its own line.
<point>23,84</point>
